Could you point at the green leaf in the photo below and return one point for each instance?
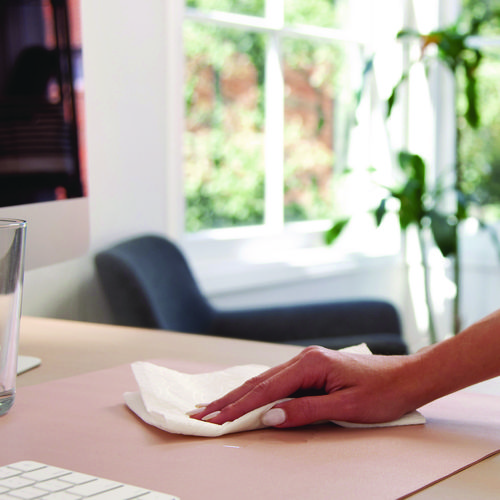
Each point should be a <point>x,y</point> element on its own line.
<point>408,33</point>
<point>390,101</point>
<point>366,72</point>
<point>462,205</point>
<point>444,233</point>
<point>380,211</point>
<point>334,232</point>
<point>392,98</point>
<point>368,67</point>
<point>414,167</point>
<point>472,114</point>
<point>411,210</point>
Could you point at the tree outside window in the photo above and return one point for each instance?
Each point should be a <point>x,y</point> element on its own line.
<point>480,147</point>
<point>246,62</point>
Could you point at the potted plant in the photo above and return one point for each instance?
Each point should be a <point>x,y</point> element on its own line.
<point>418,205</point>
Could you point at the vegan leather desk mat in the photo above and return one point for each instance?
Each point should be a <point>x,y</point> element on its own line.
<point>82,423</point>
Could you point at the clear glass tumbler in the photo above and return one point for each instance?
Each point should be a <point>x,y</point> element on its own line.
<point>12,248</point>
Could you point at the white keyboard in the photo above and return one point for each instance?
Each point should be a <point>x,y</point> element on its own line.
<point>32,480</point>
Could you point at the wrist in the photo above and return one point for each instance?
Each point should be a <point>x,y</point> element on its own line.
<point>416,381</point>
<point>441,369</point>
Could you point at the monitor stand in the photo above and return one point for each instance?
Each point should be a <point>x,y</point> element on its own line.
<point>25,363</point>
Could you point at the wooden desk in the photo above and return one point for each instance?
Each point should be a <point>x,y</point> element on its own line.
<point>70,348</point>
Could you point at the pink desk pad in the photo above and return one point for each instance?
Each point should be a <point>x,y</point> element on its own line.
<point>81,423</point>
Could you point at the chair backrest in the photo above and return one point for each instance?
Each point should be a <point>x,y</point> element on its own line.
<point>149,284</point>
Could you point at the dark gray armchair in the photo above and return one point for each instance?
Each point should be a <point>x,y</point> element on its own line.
<point>149,284</point>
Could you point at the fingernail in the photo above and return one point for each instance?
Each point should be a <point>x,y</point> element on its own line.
<point>275,416</point>
<point>211,415</point>
<point>197,410</point>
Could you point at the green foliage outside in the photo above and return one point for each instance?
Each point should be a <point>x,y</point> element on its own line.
<point>310,153</point>
<point>325,13</point>
<point>224,139</point>
<point>249,7</point>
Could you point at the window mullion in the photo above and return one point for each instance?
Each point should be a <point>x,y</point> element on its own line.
<point>274,138</point>
<point>274,123</point>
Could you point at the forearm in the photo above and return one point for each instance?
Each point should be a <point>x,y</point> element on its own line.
<point>466,359</point>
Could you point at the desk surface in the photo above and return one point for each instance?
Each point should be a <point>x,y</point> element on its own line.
<point>70,348</point>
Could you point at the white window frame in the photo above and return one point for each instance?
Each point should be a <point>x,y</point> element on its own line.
<point>273,25</point>
<point>247,245</point>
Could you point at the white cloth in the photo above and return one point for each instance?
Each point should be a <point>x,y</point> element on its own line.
<point>166,395</point>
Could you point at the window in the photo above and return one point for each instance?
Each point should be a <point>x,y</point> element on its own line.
<point>270,93</point>
<point>278,104</point>
<point>481,147</point>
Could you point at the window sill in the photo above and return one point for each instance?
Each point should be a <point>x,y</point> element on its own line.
<point>226,277</point>
<point>250,258</point>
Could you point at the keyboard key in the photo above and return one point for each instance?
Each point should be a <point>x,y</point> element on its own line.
<point>93,487</point>
<point>78,478</point>
<point>27,466</point>
<point>8,472</point>
<point>15,482</point>
<point>121,493</point>
<point>53,485</point>
<point>61,495</point>
<point>27,493</point>
<point>44,473</point>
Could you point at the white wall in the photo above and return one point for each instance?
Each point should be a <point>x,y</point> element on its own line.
<point>125,80</point>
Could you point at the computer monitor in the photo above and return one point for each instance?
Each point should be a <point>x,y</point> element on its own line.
<point>42,171</point>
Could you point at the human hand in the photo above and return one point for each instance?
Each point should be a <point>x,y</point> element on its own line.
<point>347,387</point>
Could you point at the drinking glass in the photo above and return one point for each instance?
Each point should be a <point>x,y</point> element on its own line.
<point>12,248</point>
